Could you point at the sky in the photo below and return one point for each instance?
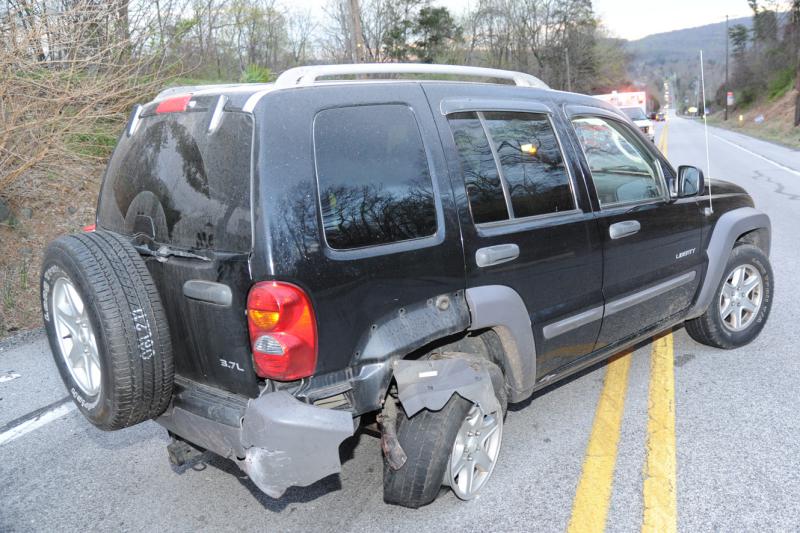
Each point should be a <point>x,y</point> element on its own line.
<point>629,19</point>
<point>632,19</point>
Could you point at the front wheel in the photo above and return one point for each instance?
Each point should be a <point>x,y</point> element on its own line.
<point>742,303</point>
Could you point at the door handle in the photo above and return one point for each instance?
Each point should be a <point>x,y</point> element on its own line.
<point>622,229</point>
<point>494,255</point>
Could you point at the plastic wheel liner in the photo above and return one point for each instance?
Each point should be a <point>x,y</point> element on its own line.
<point>429,384</point>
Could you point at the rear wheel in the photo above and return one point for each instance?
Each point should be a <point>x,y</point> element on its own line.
<point>741,304</point>
<point>107,329</point>
<point>456,446</point>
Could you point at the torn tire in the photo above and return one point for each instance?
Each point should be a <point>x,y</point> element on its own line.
<point>428,437</point>
<point>107,329</point>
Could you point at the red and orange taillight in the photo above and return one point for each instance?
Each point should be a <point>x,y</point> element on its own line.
<point>283,331</point>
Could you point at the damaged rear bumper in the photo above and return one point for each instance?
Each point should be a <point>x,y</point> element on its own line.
<point>276,439</point>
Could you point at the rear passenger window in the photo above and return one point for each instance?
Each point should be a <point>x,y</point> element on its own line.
<point>512,165</point>
<point>374,183</point>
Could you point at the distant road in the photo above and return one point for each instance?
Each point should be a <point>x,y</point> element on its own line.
<point>736,419</point>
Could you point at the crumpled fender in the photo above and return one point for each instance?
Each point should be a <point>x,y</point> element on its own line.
<point>430,384</point>
<point>290,443</point>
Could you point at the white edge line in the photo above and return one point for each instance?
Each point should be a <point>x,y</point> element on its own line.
<point>36,423</point>
<point>768,160</point>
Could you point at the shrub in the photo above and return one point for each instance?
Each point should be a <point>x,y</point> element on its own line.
<point>256,74</point>
<point>781,83</point>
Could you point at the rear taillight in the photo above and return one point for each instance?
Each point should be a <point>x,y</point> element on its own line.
<point>176,104</point>
<point>283,331</point>
<point>90,227</point>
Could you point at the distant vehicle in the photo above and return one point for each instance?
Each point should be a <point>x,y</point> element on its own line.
<point>652,115</point>
<point>661,116</point>
<point>634,105</point>
<point>640,119</point>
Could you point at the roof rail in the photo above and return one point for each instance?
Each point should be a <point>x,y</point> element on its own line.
<point>299,76</point>
<point>212,88</point>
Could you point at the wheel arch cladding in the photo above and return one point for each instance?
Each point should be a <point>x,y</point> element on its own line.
<point>402,332</point>
<point>429,384</point>
<point>501,308</point>
<point>745,223</point>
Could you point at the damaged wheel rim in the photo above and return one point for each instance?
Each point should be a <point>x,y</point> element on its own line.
<point>475,452</point>
<point>76,338</point>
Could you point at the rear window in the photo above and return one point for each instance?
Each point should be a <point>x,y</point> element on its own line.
<point>374,183</point>
<point>180,185</point>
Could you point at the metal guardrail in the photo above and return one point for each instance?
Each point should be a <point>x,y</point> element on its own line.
<point>300,76</point>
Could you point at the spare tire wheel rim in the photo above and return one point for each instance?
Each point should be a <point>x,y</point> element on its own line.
<point>740,298</point>
<point>475,452</point>
<point>76,338</point>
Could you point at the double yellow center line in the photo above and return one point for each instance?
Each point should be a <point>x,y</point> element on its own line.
<point>592,499</point>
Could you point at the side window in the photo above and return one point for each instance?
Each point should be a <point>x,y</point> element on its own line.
<point>622,170</point>
<point>374,183</point>
<point>481,177</point>
<point>512,164</point>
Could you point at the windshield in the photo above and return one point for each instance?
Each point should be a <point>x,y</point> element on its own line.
<point>634,113</point>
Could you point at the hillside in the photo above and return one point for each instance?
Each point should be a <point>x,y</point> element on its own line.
<point>674,55</point>
<point>682,45</point>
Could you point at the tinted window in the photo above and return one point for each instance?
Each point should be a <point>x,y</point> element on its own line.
<point>532,165</point>
<point>177,184</point>
<point>485,191</point>
<point>374,182</point>
<point>622,170</point>
<point>533,173</point>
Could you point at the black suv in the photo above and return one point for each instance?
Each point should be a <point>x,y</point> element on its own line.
<point>275,265</point>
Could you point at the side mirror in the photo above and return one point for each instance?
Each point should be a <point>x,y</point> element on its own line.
<point>690,181</point>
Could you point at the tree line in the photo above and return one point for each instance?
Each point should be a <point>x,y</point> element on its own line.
<point>71,69</point>
<point>766,57</point>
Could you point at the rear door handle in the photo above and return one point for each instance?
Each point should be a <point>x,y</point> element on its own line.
<point>494,255</point>
<point>622,229</point>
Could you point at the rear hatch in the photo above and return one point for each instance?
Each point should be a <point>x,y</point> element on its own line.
<point>179,185</point>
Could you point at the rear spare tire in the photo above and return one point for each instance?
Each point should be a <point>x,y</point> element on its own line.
<point>107,329</point>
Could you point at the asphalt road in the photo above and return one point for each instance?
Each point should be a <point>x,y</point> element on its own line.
<point>736,418</point>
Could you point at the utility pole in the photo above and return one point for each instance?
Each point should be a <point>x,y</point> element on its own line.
<point>356,35</point>
<point>569,80</point>
<point>727,38</point>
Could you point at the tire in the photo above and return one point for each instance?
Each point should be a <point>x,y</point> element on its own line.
<point>428,438</point>
<point>120,338</point>
<point>711,329</point>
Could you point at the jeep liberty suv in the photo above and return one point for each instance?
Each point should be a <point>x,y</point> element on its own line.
<point>274,265</point>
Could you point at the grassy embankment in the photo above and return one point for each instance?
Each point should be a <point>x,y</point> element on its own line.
<point>777,109</point>
<point>46,204</point>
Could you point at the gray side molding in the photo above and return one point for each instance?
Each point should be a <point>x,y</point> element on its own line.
<point>727,229</point>
<point>290,443</point>
<point>501,308</point>
<point>430,384</point>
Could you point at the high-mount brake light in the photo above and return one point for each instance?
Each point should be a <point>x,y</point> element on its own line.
<point>176,104</point>
<point>283,331</point>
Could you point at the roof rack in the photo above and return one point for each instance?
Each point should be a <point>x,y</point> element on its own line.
<point>299,76</point>
<point>210,89</point>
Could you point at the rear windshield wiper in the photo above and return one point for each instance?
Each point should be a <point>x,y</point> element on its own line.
<point>163,252</point>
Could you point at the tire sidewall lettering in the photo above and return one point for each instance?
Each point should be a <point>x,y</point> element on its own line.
<point>48,277</point>
<point>144,334</point>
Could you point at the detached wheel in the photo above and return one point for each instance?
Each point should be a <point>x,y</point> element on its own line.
<point>107,329</point>
<point>741,304</point>
<point>457,446</point>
